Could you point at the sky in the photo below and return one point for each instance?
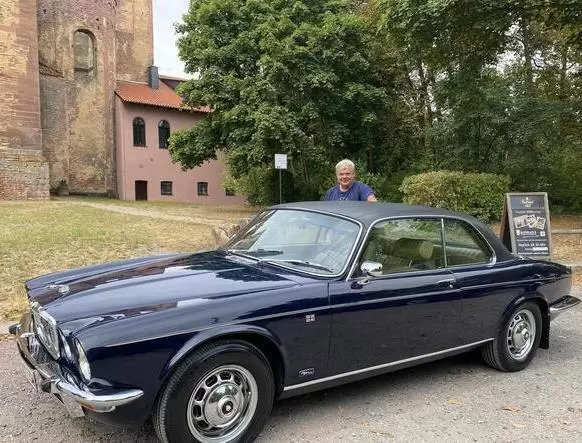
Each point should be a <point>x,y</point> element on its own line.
<point>166,13</point>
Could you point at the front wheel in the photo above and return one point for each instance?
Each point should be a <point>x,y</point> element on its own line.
<point>222,393</point>
<point>517,340</point>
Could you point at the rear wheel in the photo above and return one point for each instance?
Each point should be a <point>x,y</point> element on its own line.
<point>221,393</point>
<point>517,340</point>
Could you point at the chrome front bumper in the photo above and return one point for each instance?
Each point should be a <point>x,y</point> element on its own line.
<point>562,305</point>
<point>47,375</point>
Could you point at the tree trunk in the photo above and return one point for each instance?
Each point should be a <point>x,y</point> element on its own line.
<point>527,54</point>
<point>424,93</point>
<point>432,83</point>
<point>563,72</point>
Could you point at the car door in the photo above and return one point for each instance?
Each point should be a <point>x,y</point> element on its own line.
<point>411,310</point>
<point>487,286</point>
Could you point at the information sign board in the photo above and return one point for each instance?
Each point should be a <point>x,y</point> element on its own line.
<point>280,161</point>
<point>525,224</point>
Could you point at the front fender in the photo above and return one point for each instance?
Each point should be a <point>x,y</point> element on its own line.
<point>219,333</point>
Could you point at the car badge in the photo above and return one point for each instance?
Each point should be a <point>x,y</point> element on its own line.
<point>307,372</point>
<point>61,289</point>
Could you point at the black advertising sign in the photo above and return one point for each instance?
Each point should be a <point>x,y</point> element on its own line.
<point>525,224</point>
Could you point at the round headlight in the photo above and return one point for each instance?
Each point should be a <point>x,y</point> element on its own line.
<point>83,362</point>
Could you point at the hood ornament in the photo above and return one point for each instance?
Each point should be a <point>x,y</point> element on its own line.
<point>61,289</point>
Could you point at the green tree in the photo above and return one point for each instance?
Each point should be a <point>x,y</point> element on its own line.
<point>494,86</point>
<point>281,76</point>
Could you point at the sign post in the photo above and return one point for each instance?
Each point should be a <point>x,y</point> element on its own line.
<point>525,224</point>
<point>280,163</point>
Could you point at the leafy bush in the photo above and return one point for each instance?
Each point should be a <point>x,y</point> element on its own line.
<point>480,195</point>
<point>261,186</point>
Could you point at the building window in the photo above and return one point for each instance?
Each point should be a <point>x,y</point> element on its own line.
<point>229,192</point>
<point>166,188</point>
<point>139,138</point>
<point>83,51</point>
<point>202,188</point>
<point>164,134</point>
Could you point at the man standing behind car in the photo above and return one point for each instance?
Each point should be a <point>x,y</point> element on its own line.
<point>348,188</point>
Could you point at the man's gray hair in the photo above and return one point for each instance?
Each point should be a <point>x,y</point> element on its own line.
<point>345,163</point>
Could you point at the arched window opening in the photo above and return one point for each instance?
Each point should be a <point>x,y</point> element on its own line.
<point>139,134</point>
<point>84,51</point>
<point>164,134</point>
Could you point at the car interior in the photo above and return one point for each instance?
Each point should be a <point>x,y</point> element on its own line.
<point>405,254</point>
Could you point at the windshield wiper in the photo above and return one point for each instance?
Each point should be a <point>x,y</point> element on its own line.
<point>293,261</point>
<point>254,253</point>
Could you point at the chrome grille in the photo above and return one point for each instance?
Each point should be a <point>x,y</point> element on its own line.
<point>45,329</point>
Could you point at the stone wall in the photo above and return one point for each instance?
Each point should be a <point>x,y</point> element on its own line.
<point>23,175</point>
<point>135,41</point>
<point>23,171</point>
<point>77,102</point>
<point>55,140</point>
<point>75,97</point>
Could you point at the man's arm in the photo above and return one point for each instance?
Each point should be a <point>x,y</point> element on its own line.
<point>367,193</point>
<point>327,195</point>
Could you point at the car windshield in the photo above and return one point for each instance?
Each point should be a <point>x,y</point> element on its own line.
<point>308,241</point>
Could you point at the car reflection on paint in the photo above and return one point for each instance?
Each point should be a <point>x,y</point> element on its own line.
<point>306,296</point>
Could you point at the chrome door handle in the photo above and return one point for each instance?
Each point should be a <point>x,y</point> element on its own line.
<point>450,282</point>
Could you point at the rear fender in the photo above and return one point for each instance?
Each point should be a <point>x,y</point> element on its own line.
<point>544,309</point>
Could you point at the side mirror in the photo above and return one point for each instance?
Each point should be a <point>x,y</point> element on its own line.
<point>371,269</point>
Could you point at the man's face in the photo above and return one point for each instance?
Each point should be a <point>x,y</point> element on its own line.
<point>345,177</point>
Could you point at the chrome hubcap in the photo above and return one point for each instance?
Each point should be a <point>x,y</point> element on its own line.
<point>521,334</point>
<point>222,404</point>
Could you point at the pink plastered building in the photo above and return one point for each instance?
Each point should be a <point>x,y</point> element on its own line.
<point>145,115</point>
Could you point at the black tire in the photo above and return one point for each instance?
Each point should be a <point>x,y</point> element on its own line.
<point>216,398</point>
<point>515,345</point>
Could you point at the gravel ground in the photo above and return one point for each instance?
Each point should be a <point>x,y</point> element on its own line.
<point>457,399</point>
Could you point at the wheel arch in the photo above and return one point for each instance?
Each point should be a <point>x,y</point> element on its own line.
<point>260,338</point>
<point>544,309</point>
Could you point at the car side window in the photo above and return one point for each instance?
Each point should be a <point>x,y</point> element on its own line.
<point>405,245</point>
<point>463,245</point>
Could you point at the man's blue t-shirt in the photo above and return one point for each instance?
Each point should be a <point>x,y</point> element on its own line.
<point>358,191</point>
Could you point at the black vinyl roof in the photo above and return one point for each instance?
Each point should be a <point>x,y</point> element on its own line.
<point>369,212</point>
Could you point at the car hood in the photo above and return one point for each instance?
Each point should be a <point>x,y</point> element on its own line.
<point>138,286</point>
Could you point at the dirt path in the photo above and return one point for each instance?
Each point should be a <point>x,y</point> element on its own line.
<point>222,229</point>
<point>150,213</point>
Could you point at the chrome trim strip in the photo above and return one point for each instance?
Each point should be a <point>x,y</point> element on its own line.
<point>52,381</point>
<point>442,218</point>
<point>562,305</point>
<point>444,243</point>
<point>97,403</point>
<point>386,365</point>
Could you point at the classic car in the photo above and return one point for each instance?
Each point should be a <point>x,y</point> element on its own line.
<point>306,296</point>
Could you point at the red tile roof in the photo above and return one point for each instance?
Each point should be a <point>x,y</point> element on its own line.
<point>141,93</point>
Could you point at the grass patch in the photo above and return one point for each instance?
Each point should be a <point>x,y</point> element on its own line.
<point>42,237</point>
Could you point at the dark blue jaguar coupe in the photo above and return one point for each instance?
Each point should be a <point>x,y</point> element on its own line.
<point>306,296</point>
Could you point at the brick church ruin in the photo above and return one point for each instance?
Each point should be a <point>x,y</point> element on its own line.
<point>60,61</point>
